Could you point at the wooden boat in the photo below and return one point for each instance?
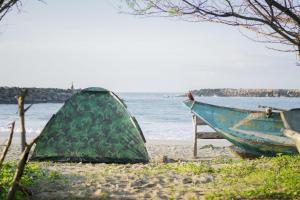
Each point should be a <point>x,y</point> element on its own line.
<point>257,132</point>
<point>291,121</point>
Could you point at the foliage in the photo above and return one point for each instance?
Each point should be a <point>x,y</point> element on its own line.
<point>31,173</point>
<point>263,178</point>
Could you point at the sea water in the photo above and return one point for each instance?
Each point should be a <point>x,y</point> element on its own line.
<point>162,116</point>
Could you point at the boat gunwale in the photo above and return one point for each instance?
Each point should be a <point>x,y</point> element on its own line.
<point>233,108</point>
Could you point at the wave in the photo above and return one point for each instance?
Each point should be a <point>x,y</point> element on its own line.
<point>18,130</point>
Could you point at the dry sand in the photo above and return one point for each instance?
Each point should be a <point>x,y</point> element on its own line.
<point>130,181</point>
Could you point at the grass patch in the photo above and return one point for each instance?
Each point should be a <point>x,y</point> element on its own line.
<point>263,178</point>
<point>32,173</point>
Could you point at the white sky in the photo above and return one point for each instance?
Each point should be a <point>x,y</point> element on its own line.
<point>91,44</point>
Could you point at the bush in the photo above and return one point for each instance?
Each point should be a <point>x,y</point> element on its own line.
<point>32,172</point>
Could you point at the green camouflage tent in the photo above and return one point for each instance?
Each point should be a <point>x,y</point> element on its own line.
<point>92,126</point>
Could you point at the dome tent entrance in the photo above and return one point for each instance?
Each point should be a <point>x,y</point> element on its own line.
<point>92,126</point>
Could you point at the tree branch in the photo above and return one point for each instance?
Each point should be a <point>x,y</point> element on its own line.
<point>20,168</point>
<point>8,143</point>
<point>274,20</point>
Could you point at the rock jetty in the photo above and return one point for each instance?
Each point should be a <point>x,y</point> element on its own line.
<point>229,92</point>
<point>35,95</point>
<point>56,95</point>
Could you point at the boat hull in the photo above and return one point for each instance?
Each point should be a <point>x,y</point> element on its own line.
<point>252,131</point>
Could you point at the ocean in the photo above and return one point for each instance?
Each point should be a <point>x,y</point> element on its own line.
<point>162,116</point>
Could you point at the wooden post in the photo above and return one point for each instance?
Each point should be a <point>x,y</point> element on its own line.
<point>195,135</point>
<point>8,143</point>
<point>19,172</point>
<point>202,134</point>
<point>21,110</point>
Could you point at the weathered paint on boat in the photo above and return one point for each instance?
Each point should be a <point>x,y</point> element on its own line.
<point>291,121</point>
<point>249,130</point>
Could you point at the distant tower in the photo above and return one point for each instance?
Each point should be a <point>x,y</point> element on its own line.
<point>72,87</point>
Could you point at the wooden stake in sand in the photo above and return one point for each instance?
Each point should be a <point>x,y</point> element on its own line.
<point>22,111</point>
<point>19,172</point>
<point>8,143</point>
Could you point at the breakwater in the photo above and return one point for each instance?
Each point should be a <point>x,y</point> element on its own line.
<point>56,95</point>
<point>229,92</point>
<point>35,95</point>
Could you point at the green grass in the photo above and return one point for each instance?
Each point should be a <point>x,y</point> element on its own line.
<point>263,178</point>
<point>31,174</point>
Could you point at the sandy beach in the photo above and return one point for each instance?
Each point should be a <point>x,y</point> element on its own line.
<point>87,87</point>
<point>158,179</point>
<point>173,149</point>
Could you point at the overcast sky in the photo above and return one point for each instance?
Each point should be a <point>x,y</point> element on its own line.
<point>92,44</point>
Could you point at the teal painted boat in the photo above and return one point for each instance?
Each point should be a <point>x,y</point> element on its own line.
<point>291,121</point>
<point>257,132</point>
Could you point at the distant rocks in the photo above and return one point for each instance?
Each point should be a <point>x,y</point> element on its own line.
<point>55,95</point>
<point>35,95</point>
<point>229,92</point>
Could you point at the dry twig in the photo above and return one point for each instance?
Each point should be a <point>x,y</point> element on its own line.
<point>8,143</point>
